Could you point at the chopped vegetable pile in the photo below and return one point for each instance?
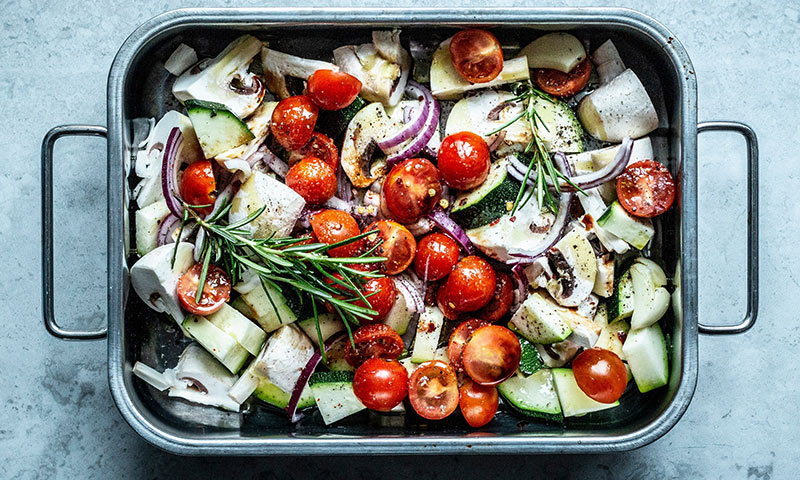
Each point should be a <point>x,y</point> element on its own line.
<point>416,234</point>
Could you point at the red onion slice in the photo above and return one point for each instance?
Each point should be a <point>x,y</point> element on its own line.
<point>517,170</point>
<point>451,227</point>
<point>302,381</point>
<point>165,229</point>
<point>519,275</point>
<point>557,231</point>
<point>413,125</point>
<point>169,171</point>
<point>274,163</point>
<point>414,299</point>
<point>344,189</point>
<point>305,375</point>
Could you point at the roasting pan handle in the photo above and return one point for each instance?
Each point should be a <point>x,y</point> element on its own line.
<point>47,229</point>
<point>752,225</point>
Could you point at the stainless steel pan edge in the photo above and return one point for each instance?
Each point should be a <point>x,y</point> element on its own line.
<point>684,151</point>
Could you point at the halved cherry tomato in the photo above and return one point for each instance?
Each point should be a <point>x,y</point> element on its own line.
<point>216,291</point>
<point>646,188</point>
<point>313,179</point>
<point>501,302</point>
<point>381,294</point>
<point>293,121</point>
<point>600,374</point>
<point>198,185</point>
<point>478,403</point>
<point>433,390</point>
<point>463,160</point>
<point>381,385</point>
<point>332,90</point>
<point>331,226</point>
<point>562,84</point>
<point>411,189</point>
<point>436,256</point>
<point>470,285</point>
<point>397,244</point>
<point>477,55</point>
<point>458,340</point>
<point>491,355</point>
<point>375,340</point>
<point>320,146</point>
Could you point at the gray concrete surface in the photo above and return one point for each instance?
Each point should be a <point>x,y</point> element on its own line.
<point>57,418</point>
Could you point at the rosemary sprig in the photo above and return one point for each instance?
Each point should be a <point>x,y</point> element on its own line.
<point>287,262</point>
<point>539,159</point>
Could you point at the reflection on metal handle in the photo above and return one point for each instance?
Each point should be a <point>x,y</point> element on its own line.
<point>47,228</point>
<point>752,226</point>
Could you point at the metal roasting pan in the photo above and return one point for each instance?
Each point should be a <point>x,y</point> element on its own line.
<point>139,87</point>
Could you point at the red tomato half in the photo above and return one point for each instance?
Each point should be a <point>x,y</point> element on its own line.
<point>562,84</point>
<point>411,189</point>
<point>433,390</point>
<point>463,160</point>
<point>216,291</point>
<point>198,185</point>
<point>458,340</point>
<point>646,189</point>
<point>375,340</point>
<point>293,121</point>
<point>332,90</point>
<point>397,244</point>
<point>477,55</point>
<point>491,354</point>
<point>332,226</point>
<point>500,303</point>
<point>436,256</point>
<point>320,146</point>
<point>381,294</point>
<point>381,385</point>
<point>478,403</point>
<point>600,374</point>
<point>470,285</point>
<point>313,179</point>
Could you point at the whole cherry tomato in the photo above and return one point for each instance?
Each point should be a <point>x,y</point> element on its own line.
<point>198,185</point>
<point>441,301</point>
<point>458,340</point>
<point>478,403</point>
<point>411,189</point>
<point>463,160</point>
<point>562,84</point>
<point>381,385</point>
<point>433,390</point>
<point>477,55</point>
<point>501,302</point>
<point>491,354</point>
<point>332,226</point>
<point>332,90</point>
<point>375,340</point>
<point>216,291</point>
<point>313,179</point>
<point>320,146</point>
<point>436,256</point>
<point>646,189</point>
<point>470,285</point>
<point>293,121</point>
<point>600,374</point>
<point>397,244</point>
<point>381,294</point>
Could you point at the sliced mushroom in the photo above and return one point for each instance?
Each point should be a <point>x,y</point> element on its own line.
<point>382,66</point>
<point>278,65</point>
<point>573,262</point>
<point>226,79</point>
<point>366,128</point>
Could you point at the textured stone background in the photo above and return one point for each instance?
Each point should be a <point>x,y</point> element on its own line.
<point>58,420</point>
